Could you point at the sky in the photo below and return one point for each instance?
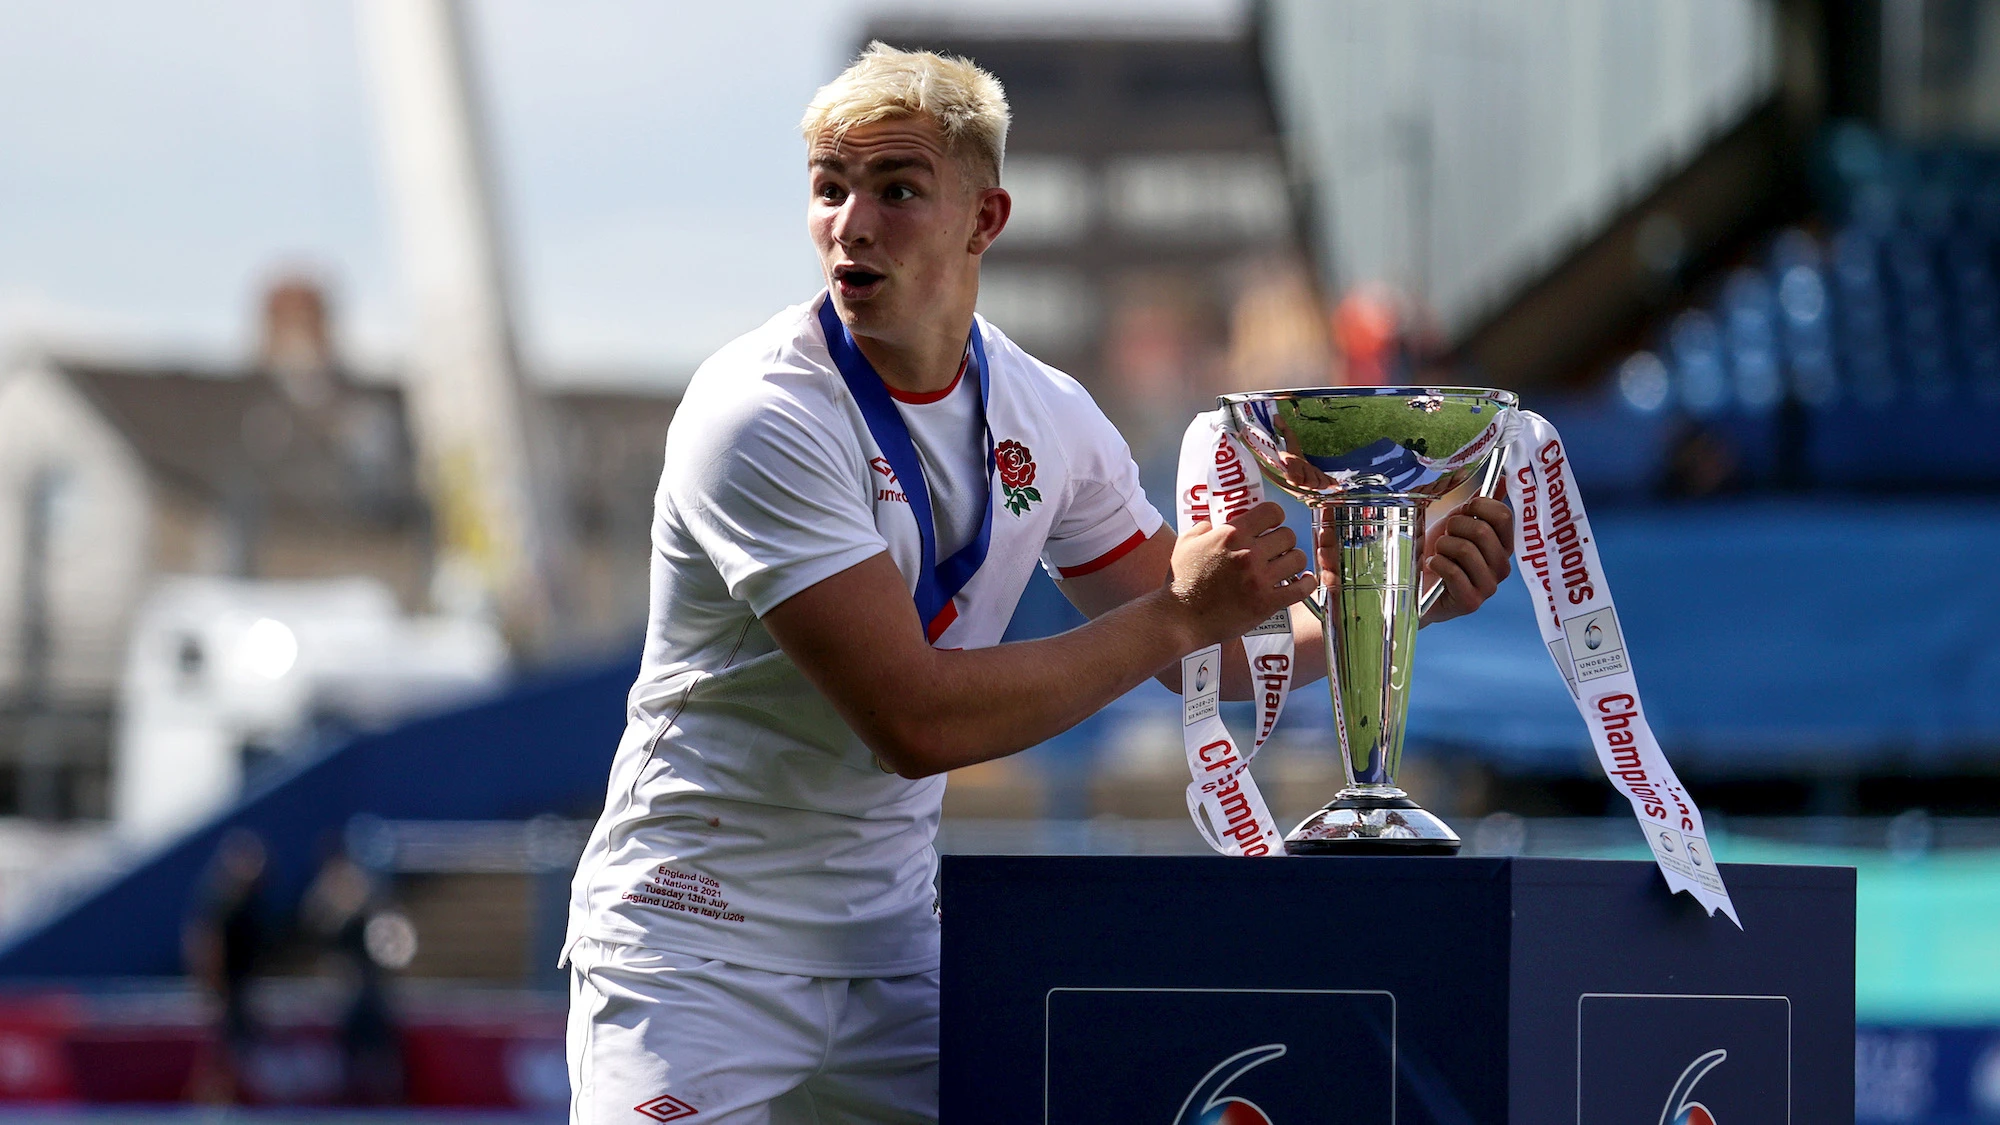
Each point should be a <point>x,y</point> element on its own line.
<point>160,162</point>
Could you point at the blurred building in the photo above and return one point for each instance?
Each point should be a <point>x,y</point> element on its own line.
<point>1154,252</point>
<point>1455,150</point>
<point>117,472</point>
<point>1475,157</point>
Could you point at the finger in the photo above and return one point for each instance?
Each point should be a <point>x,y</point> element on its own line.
<point>1471,564</point>
<point>1458,589</point>
<point>1482,535</point>
<point>1258,519</point>
<point>1490,510</point>
<point>1277,541</point>
<point>1470,560</point>
<point>1291,563</point>
<point>1499,516</point>
<point>1298,589</point>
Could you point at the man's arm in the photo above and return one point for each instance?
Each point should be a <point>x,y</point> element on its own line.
<point>1145,568</point>
<point>923,710</point>
<point>1466,550</point>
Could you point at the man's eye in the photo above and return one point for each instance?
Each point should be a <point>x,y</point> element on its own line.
<point>898,193</point>
<point>831,193</point>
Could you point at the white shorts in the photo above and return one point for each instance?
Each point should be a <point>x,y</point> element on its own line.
<point>657,1037</point>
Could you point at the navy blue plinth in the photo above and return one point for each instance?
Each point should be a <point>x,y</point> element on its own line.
<point>1391,991</point>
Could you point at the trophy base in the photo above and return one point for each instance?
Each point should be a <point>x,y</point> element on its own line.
<point>1372,826</point>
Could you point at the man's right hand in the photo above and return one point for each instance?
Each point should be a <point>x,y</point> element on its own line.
<point>1229,577</point>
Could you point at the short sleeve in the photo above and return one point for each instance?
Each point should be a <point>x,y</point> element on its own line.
<point>764,488</point>
<point>1108,514</point>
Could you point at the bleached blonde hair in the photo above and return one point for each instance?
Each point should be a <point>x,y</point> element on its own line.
<point>968,104</point>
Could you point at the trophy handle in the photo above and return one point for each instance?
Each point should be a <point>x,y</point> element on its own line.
<point>1493,474</point>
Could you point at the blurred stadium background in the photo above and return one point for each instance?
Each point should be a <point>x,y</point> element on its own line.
<point>338,339</point>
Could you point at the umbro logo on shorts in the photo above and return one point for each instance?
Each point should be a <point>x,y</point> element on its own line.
<point>666,1107</point>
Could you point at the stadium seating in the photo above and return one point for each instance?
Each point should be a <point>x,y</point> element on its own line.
<point>1860,355</point>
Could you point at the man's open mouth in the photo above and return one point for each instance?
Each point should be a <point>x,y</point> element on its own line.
<point>854,279</point>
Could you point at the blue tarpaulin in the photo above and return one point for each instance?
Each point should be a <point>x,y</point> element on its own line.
<point>1765,635</point>
<point>1768,636</point>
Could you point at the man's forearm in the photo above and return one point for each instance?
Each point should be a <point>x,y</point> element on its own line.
<point>922,710</point>
<point>1147,569</point>
<point>981,704</point>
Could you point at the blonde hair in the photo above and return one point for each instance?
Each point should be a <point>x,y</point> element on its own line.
<point>968,104</point>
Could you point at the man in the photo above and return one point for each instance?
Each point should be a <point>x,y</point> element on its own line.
<point>223,941</point>
<point>853,498</point>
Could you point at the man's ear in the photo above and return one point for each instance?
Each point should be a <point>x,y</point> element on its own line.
<point>995,205</point>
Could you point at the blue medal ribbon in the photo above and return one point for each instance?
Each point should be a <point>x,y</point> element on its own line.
<point>937,582</point>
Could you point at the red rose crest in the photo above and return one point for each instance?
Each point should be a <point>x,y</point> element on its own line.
<point>1017,475</point>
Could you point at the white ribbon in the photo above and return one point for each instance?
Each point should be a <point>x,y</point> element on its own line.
<point>1557,557</point>
<point>1217,480</point>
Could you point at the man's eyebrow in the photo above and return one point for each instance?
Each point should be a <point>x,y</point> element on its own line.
<point>897,163</point>
<point>880,165</point>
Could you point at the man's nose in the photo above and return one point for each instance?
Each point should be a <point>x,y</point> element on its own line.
<point>854,224</point>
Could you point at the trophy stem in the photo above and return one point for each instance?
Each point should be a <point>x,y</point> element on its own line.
<point>1368,561</point>
<point>1367,555</point>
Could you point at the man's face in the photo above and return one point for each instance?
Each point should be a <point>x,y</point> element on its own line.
<point>897,222</point>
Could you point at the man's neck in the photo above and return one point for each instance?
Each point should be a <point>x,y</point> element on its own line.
<point>925,363</point>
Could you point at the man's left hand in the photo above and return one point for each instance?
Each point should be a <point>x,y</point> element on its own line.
<point>1468,551</point>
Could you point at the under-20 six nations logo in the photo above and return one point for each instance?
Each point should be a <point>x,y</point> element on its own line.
<point>1681,1108</point>
<point>1206,1103</point>
<point>1017,475</point>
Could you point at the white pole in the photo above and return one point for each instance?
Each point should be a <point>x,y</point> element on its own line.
<point>474,420</point>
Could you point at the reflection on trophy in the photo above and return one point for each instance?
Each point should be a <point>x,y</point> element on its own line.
<point>1367,461</point>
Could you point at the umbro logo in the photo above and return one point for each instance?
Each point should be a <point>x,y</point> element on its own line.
<point>890,495</point>
<point>666,1107</point>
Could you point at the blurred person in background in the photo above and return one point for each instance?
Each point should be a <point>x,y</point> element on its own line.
<point>346,911</point>
<point>1386,337</point>
<point>223,940</point>
<point>853,497</point>
<point>1700,462</point>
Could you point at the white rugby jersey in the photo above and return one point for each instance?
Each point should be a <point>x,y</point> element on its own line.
<point>744,821</point>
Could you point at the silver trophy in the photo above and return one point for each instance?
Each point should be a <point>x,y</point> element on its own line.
<point>1368,461</point>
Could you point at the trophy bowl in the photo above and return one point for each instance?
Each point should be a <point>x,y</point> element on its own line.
<point>1368,462</point>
